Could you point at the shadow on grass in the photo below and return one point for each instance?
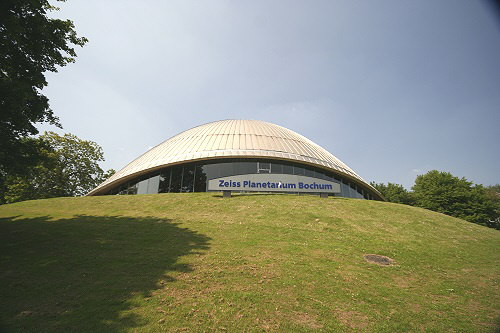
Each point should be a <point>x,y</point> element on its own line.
<point>84,273</point>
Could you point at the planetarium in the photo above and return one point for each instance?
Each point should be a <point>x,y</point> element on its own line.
<point>241,156</point>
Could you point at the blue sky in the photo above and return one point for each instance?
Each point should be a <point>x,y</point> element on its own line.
<point>392,88</point>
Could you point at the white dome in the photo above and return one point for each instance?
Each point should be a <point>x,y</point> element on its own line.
<point>231,138</point>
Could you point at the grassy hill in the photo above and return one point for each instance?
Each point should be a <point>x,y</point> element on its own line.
<point>199,262</point>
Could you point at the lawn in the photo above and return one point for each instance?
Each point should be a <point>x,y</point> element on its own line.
<point>250,263</point>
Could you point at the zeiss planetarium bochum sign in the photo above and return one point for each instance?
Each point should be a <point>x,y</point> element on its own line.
<point>238,155</point>
<point>273,183</point>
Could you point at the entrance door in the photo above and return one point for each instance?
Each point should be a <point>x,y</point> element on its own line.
<point>263,167</point>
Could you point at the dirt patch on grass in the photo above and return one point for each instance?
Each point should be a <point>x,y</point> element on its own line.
<point>404,282</point>
<point>379,259</point>
<point>415,307</point>
<point>353,319</point>
<point>306,319</point>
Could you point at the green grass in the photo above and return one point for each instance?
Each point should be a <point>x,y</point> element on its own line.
<point>199,262</point>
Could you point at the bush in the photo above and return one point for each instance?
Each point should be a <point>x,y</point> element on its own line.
<point>442,192</point>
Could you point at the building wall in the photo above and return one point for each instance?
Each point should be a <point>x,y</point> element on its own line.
<point>193,176</point>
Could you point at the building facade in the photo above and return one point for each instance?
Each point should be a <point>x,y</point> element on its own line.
<point>238,155</point>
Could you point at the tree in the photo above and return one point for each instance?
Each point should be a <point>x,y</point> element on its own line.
<point>68,166</point>
<point>493,193</point>
<point>394,193</point>
<point>442,192</point>
<point>31,44</point>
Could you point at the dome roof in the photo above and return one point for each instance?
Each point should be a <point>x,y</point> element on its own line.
<point>232,138</point>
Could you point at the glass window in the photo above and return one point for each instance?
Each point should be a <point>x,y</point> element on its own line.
<point>188,178</point>
<point>200,179</point>
<point>329,176</point>
<point>211,170</point>
<point>319,174</point>
<point>142,186</point>
<point>276,168</point>
<point>309,172</point>
<point>360,192</point>
<point>153,184</point>
<point>365,195</point>
<point>345,190</point>
<point>123,189</point>
<point>164,181</point>
<point>225,169</point>
<point>191,177</point>
<point>287,169</point>
<point>237,168</point>
<point>115,190</point>
<point>176,179</point>
<point>242,167</point>
<point>297,170</point>
<point>263,167</point>
<point>353,192</point>
<point>132,189</point>
<point>246,167</point>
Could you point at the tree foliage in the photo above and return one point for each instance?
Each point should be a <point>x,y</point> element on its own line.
<point>394,193</point>
<point>442,192</point>
<point>31,44</point>
<point>493,193</point>
<point>68,166</point>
